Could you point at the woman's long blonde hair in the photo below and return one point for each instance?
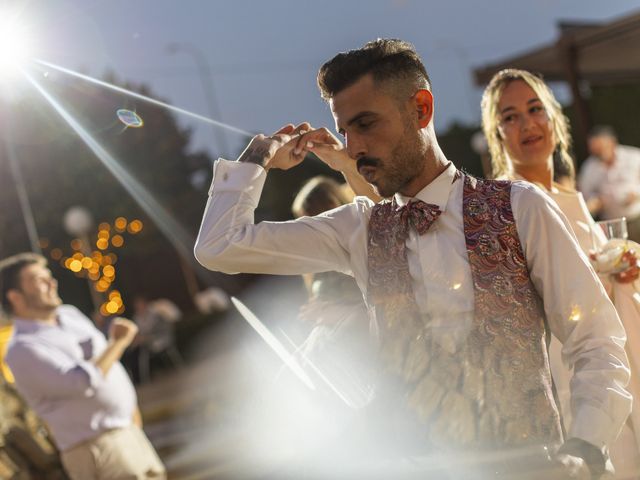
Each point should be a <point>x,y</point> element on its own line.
<point>500,164</point>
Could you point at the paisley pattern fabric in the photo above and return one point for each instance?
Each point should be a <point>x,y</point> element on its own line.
<point>487,384</point>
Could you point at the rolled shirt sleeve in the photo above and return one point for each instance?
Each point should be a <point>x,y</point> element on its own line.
<point>579,314</point>
<point>38,368</point>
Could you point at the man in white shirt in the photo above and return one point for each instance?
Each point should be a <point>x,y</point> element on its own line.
<point>381,100</point>
<point>610,179</point>
<point>72,377</point>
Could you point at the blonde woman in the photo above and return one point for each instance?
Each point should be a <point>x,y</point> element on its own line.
<point>527,135</point>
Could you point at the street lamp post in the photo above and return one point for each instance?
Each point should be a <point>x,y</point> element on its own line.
<point>208,87</point>
<point>78,222</point>
<point>23,197</point>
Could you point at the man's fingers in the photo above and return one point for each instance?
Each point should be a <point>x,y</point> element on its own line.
<point>302,128</point>
<point>313,138</point>
<point>288,129</point>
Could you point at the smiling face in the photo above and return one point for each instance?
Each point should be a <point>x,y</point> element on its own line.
<point>381,135</point>
<point>37,294</point>
<point>525,128</point>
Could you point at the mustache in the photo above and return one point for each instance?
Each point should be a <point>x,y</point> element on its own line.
<point>367,162</point>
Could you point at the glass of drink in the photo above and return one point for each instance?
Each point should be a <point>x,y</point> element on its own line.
<point>609,245</point>
<point>615,228</point>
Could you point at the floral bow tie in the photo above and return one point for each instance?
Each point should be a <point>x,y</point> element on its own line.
<point>419,214</point>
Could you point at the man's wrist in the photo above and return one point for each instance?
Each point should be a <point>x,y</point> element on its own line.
<point>254,155</point>
<point>595,458</point>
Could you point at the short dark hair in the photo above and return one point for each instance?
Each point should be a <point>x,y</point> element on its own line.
<point>10,269</point>
<point>385,59</point>
<point>602,131</point>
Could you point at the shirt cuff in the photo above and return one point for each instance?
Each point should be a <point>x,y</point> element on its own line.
<point>238,177</point>
<point>594,426</point>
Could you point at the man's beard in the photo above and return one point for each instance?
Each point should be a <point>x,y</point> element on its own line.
<point>405,164</point>
<point>46,304</point>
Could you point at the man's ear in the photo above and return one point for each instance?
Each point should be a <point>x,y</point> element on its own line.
<point>423,102</point>
<point>15,298</point>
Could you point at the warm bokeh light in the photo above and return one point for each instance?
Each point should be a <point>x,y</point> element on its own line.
<point>56,254</point>
<point>87,263</point>
<point>575,314</point>
<point>94,275</point>
<point>112,307</point>
<point>104,234</point>
<point>76,244</point>
<point>102,243</point>
<point>120,224</point>
<point>109,271</point>
<point>117,241</point>
<point>77,256</point>
<point>75,265</point>
<point>102,285</point>
<point>135,227</point>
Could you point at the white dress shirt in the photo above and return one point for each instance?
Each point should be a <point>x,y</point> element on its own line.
<point>55,374</point>
<point>576,305</point>
<point>614,184</point>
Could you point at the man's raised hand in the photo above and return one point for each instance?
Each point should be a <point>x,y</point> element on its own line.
<point>275,151</point>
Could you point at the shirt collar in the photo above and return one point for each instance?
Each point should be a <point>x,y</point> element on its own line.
<point>22,325</point>
<point>437,192</point>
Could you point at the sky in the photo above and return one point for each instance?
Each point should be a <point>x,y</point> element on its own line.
<point>263,56</point>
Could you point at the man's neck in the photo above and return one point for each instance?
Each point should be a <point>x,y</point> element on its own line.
<point>46,317</point>
<point>435,164</point>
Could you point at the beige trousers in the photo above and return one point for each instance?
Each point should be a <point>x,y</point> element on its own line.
<point>120,454</point>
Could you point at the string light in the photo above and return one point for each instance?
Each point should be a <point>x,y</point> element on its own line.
<point>99,265</point>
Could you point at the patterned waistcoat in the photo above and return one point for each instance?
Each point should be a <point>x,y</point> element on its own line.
<point>492,386</point>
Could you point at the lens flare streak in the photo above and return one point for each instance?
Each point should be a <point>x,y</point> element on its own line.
<point>145,98</point>
<point>273,342</point>
<point>319,372</point>
<point>174,232</point>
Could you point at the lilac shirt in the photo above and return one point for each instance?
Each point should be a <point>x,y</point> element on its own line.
<point>54,372</point>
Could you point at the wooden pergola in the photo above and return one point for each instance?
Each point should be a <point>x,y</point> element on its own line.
<point>600,54</point>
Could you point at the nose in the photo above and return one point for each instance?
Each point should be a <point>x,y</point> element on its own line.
<point>526,121</point>
<point>356,148</point>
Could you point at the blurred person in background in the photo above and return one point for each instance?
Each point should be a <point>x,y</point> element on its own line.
<point>341,341</point>
<point>156,321</point>
<point>455,270</point>
<point>71,376</point>
<point>528,138</point>
<point>610,179</point>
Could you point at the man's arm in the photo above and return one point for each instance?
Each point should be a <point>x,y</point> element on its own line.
<point>40,369</point>
<point>230,242</point>
<point>580,315</point>
<point>121,334</point>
